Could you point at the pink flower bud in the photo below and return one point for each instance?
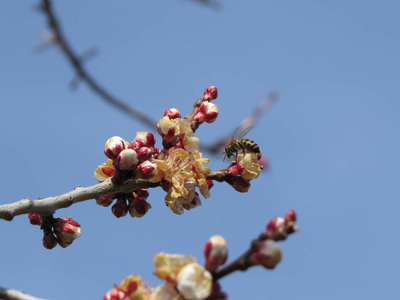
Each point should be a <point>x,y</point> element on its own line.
<point>215,252</point>
<point>236,170</point>
<point>114,146</point>
<point>144,153</point>
<point>269,254</point>
<point>172,113</point>
<point>134,145</point>
<point>35,219</point>
<point>210,184</point>
<point>146,170</point>
<point>145,139</point>
<point>127,160</point>
<point>66,230</point>
<point>117,294</point>
<point>120,208</point>
<point>290,216</point>
<point>276,228</point>
<point>210,93</point>
<point>105,200</point>
<point>49,240</point>
<point>207,112</point>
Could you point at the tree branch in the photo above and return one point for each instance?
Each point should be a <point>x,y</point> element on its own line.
<point>15,295</point>
<point>76,63</point>
<point>48,206</point>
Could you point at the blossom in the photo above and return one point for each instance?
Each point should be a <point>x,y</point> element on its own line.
<point>172,113</point>
<point>249,161</point>
<point>166,291</point>
<point>169,265</point>
<point>183,171</point>
<point>178,133</point>
<point>194,282</point>
<point>105,171</point>
<point>136,288</point>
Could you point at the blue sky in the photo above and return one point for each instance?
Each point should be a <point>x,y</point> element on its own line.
<point>331,138</point>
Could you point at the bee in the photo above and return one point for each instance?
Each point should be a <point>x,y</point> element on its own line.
<point>238,143</point>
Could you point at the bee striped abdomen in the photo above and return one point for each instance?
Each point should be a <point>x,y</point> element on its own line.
<point>250,145</point>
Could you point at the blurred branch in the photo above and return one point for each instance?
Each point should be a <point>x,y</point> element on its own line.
<point>243,262</point>
<point>251,120</point>
<point>212,3</point>
<point>15,295</point>
<point>76,62</point>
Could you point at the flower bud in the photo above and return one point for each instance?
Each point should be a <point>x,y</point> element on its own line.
<point>145,139</point>
<point>269,254</point>
<point>215,252</point>
<point>49,240</point>
<point>138,208</point>
<point>210,184</point>
<point>35,219</point>
<point>144,153</point>
<point>194,282</point>
<point>146,170</point>
<point>116,294</point>
<point>105,200</point>
<point>290,216</point>
<point>210,93</point>
<point>276,229</point>
<point>207,112</point>
<point>66,230</point>
<point>141,194</point>
<point>172,113</point>
<point>114,146</point>
<point>127,160</point>
<point>120,208</point>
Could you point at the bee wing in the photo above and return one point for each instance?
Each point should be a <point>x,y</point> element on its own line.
<point>241,131</point>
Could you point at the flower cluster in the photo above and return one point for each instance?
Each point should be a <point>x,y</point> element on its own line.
<point>130,288</point>
<point>179,168</point>
<point>185,279</point>
<point>61,231</point>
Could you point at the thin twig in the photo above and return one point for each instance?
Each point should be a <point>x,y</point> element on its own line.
<point>81,72</point>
